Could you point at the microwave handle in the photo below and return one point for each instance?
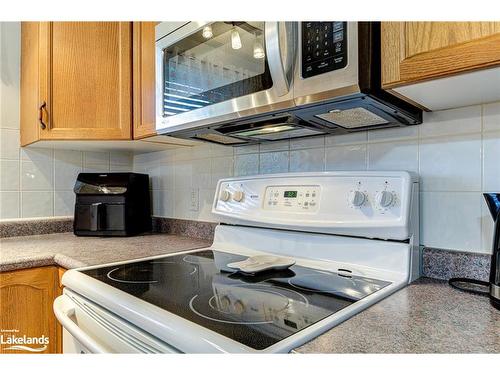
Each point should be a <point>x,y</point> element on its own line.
<point>276,46</point>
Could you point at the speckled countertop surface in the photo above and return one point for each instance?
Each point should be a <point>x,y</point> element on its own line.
<point>428,316</point>
<point>69,251</point>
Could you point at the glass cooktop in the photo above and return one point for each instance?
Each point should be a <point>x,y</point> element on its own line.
<point>255,310</point>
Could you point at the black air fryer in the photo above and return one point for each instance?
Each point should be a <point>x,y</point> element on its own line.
<point>112,204</point>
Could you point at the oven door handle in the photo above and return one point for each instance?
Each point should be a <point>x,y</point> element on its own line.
<point>64,309</point>
<point>280,50</point>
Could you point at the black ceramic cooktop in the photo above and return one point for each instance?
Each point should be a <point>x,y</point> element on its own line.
<point>257,311</point>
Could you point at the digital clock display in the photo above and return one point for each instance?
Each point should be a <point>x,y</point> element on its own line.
<point>290,194</point>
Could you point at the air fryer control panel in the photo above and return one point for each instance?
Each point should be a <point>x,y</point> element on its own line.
<point>324,47</point>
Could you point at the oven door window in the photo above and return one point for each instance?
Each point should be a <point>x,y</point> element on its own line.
<point>222,61</point>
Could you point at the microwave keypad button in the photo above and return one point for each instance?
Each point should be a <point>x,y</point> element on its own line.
<point>338,26</point>
<point>338,47</point>
<point>338,36</point>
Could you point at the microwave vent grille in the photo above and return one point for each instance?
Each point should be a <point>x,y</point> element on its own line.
<point>353,118</point>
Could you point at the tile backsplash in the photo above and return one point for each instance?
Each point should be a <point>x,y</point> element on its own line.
<point>455,152</point>
<point>37,182</point>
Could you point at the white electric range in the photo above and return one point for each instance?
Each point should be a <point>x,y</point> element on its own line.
<point>354,236</point>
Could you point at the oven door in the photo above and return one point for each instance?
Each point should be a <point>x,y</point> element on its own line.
<point>220,71</point>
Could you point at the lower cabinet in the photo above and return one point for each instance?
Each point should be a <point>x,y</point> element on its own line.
<point>27,320</point>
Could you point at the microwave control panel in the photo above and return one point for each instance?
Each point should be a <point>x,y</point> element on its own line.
<point>324,47</point>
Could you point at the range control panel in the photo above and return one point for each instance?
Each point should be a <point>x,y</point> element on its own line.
<point>324,47</point>
<point>369,204</point>
<point>292,198</point>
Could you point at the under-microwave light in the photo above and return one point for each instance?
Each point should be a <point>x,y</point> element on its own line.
<point>235,39</point>
<point>258,50</point>
<point>207,32</point>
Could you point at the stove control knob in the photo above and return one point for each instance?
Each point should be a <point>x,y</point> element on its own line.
<point>225,195</point>
<point>385,198</point>
<point>357,198</point>
<point>238,195</point>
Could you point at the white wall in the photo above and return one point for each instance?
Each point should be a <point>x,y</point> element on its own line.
<point>37,182</point>
<point>455,152</point>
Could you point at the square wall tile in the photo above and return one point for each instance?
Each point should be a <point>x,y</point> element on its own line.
<point>67,165</point>
<point>399,156</point>
<point>38,155</point>
<point>249,149</point>
<point>309,142</point>
<point>491,162</point>
<point>95,158</point>
<point>120,158</point>
<point>246,165</point>
<point>10,74</point>
<point>219,150</point>
<point>393,134</point>
<point>64,203</point>
<point>206,202</point>
<point>491,117</point>
<point>96,168</point>
<point>163,203</point>
<point>346,139</point>
<point>451,220</point>
<point>451,122</point>
<point>37,204</point>
<point>343,158</point>
<point>36,176</point>
<point>9,205</point>
<point>451,163</point>
<point>202,177</point>
<point>274,162</point>
<point>275,146</point>
<point>222,167</point>
<point>9,175</point>
<point>9,144</point>
<point>183,176</point>
<point>307,160</point>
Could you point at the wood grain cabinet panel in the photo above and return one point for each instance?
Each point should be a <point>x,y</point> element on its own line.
<point>83,81</point>
<point>26,298</point>
<point>419,51</point>
<point>144,79</point>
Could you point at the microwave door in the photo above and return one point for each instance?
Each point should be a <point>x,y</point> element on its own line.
<point>209,73</point>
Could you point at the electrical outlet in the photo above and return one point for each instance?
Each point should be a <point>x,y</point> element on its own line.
<point>195,199</point>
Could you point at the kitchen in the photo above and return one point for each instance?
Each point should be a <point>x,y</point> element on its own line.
<point>299,187</point>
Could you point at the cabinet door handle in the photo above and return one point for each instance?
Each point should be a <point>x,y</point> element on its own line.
<point>43,105</point>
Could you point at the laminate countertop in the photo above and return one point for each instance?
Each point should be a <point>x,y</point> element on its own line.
<point>69,251</point>
<point>428,316</point>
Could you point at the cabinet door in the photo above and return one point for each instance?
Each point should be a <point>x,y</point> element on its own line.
<point>144,79</point>
<point>26,298</point>
<point>418,51</point>
<point>85,80</point>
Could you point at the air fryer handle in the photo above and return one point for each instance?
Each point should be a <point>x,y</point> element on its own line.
<point>96,211</point>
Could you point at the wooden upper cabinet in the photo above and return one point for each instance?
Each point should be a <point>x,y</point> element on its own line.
<point>76,81</point>
<point>26,298</point>
<point>144,79</point>
<point>420,51</point>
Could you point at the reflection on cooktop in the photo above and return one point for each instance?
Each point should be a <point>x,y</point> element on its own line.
<point>257,311</point>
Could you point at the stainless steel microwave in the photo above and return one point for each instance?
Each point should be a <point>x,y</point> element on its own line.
<point>250,82</point>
